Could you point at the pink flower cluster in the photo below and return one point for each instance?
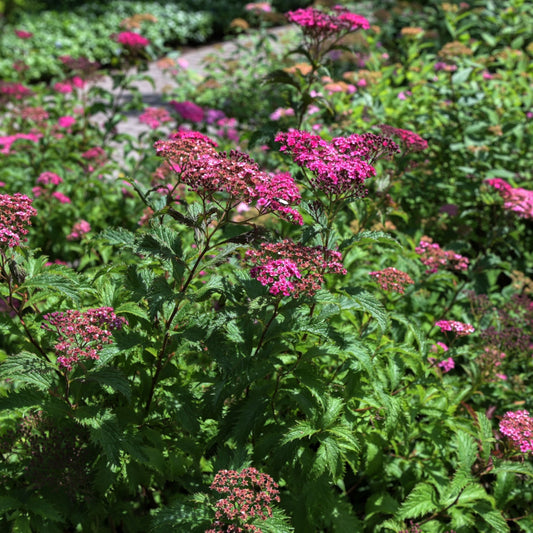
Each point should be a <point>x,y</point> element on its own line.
<point>340,166</point>
<point>79,229</point>
<point>411,141</point>
<point>95,157</point>
<point>459,328</point>
<point>36,114</point>
<point>82,334</point>
<point>15,214</point>
<point>49,178</point>
<point>13,90</point>
<point>247,496</point>
<point>193,156</point>
<point>518,426</point>
<point>392,279</point>
<point>293,269</point>
<point>516,199</point>
<point>7,141</point>
<point>434,257</point>
<point>131,40</point>
<point>258,7</point>
<point>66,87</point>
<point>321,25</point>
<point>154,117</point>
<point>189,111</point>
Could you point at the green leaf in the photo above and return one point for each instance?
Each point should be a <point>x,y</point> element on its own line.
<point>7,503</point>
<point>371,237</point>
<point>421,501</point>
<point>462,75</point>
<point>328,457</point>
<point>131,308</point>
<point>28,369</point>
<point>300,431</point>
<point>111,377</point>
<point>492,517</point>
<point>118,237</point>
<point>365,301</point>
<point>466,450</point>
<point>63,283</point>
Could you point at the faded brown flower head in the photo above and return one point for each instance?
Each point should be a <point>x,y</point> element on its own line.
<point>453,50</point>
<point>411,31</point>
<point>135,22</point>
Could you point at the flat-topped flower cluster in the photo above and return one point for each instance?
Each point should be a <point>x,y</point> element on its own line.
<point>247,495</point>
<point>82,334</point>
<point>293,269</point>
<point>339,167</point>
<point>197,163</point>
<point>15,217</point>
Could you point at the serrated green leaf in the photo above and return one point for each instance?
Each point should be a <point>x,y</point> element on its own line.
<point>7,503</point>
<point>118,237</point>
<point>371,237</point>
<point>466,450</point>
<point>420,501</point>
<point>365,301</point>
<point>28,369</point>
<point>131,308</point>
<point>300,431</point>
<point>111,377</point>
<point>328,458</point>
<point>492,517</point>
<point>65,284</point>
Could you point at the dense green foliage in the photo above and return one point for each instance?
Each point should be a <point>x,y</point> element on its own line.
<point>369,416</point>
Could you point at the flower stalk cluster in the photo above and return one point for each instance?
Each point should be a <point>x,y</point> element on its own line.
<point>434,257</point>
<point>15,217</point>
<point>292,269</point>
<point>247,496</point>
<point>82,334</point>
<point>518,427</point>
<point>392,279</point>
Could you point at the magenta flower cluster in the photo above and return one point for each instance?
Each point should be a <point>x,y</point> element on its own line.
<point>189,111</point>
<point>319,24</point>
<point>204,170</point>
<point>82,334</point>
<point>292,269</point>
<point>518,427</point>
<point>516,199</point>
<point>247,496</point>
<point>79,229</point>
<point>392,279</point>
<point>459,328</point>
<point>434,257</point>
<point>411,141</point>
<point>132,40</point>
<point>15,217</point>
<point>340,166</point>
<point>154,117</point>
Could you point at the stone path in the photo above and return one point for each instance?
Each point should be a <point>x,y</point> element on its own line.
<point>164,82</point>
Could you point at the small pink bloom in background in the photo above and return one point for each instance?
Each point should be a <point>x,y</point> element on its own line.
<point>189,111</point>
<point>61,197</point>
<point>313,109</point>
<point>516,199</point>
<point>411,141</point>
<point>14,90</point>
<point>487,75</point>
<point>518,427</point>
<point>2,184</point>
<point>36,114</point>
<point>182,63</point>
<point>214,115</point>
<point>282,112</point>
<point>15,214</point>
<point>37,191</point>
<point>79,229</point>
<point>503,377</point>
<point>66,121</point>
<point>242,208</point>
<point>362,83</point>
<point>131,40</point>
<point>529,114</point>
<point>435,348</point>
<point>258,7</point>
<point>21,34</point>
<point>459,328</point>
<point>434,257</point>
<point>62,87</point>
<point>49,178</point>
<point>154,117</point>
<point>446,364</point>
<point>77,82</point>
<point>401,96</point>
<point>96,157</point>
<point>392,279</point>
